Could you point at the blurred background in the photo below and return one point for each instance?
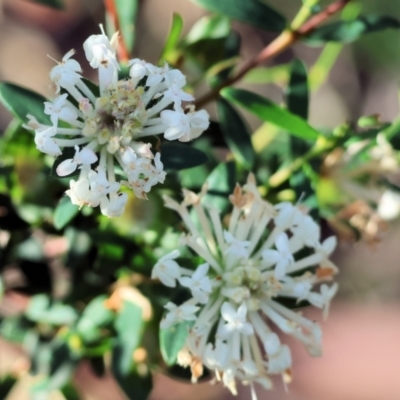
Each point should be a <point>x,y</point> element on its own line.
<point>361,336</point>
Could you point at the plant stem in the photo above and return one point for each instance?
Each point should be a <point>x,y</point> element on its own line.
<point>282,175</point>
<point>123,53</point>
<point>285,40</point>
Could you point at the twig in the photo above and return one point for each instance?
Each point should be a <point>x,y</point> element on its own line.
<point>285,40</point>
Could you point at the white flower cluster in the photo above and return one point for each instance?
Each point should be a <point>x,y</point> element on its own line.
<point>265,254</point>
<point>112,127</point>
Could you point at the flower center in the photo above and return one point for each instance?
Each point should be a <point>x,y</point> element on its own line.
<point>117,117</point>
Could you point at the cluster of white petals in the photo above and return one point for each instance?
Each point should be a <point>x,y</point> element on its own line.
<point>111,128</point>
<point>264,255</point>
<point>365,176</point>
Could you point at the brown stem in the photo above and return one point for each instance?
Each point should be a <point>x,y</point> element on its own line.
<point>285,40</point>
<point>123,53</point>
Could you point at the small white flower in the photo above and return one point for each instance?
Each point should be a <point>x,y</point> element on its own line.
<point>167,270</point>
<point>60,110</point>
<point>389,205</point>
<point>113,205</point>
<point>235,320</point>
<point>232,332</point>
<point>199,283</point>
<point>83,156</point>
<point>237,248</point>
<point>281,257</point>
<point>177,314</point>
<point>111,129</point>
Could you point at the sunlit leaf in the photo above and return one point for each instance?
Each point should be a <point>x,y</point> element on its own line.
<point>349,31</point>
<point>22,101</point>
<point>127,11</point>
<point>236,133</point>
<point>208,27</point>
<point>64,213</point>
<point>173,36</point>
<point>269,111</point>
<point>252,12</point>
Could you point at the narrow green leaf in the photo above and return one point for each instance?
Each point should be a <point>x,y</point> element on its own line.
<point>57,4</point>
<point>220,183</point>
<point>22,101</point>
<point>129,326</point>
<point>69,392</point>
<point>64,213</point>
<point>349,31</point>
<point>172,340</point>
<point>297,98</point>
<point>208,27</point>
<point>271,112</point>
<point>180,156</point>
<point>278,75</point>
<point>127,12</point>
<point>173,36</point>
<point>236,134</point>
<point>252,12</point>
<point>297,94</point>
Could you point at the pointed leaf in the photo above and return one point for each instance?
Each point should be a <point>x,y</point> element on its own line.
<point>236,134</point>
<point>180,156</point>
<point>64,213</point>
<point>252,12</point>
<point>297,98</point>
<point>349,31</point>
<point>269,111</point>
<point>129,326</point>
<point>173,36</point>
<point>172,340</point>
<point>208,27</point>
<point>127,12</point>
<point>220,183</point>
<point>22,101</point>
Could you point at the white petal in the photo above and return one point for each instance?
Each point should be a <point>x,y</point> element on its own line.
<point>66,167</point>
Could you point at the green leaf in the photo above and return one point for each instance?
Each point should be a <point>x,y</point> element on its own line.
<point>269,111</point>
<point>297,95</point>
<point>208,27</point>
<point>220,183</point>
<point>95,316</point>
<point>252,12</point>
<point>172,340</point>
<point>40,310</point>
<point>180,156</point>
<point>236,134</point>
<point>69,392</point>
<point>6,384</point>
<point>21,101</point>
<point>278,74</point>
<point>134,386</point>
<point>57,4</point>
<point>173,36</point>
<point>297,99</point>
<point>129,325</point>
<point>64,213</point>
<point>349,31</point>
<point>127,12</point>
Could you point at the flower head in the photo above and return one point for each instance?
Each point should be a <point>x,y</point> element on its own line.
<point>265,254</point>
<point>109,129</point>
